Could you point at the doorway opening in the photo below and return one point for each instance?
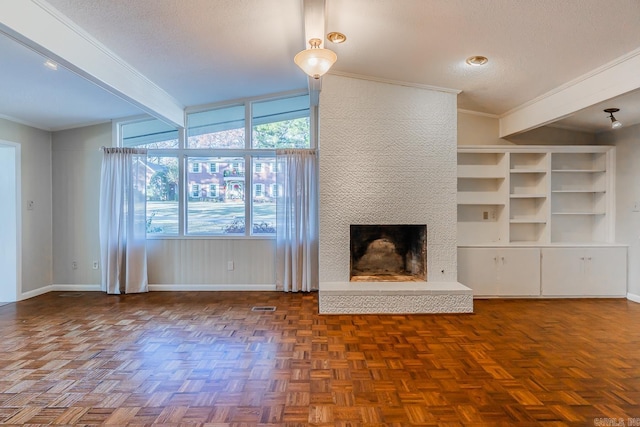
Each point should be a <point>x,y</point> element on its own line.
<point>10,222</point>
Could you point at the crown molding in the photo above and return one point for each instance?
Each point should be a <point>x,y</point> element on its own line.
<point>478,113</point>
<point>395,82</point>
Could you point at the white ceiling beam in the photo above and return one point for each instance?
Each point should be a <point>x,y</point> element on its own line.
<point>614,79</point>
<point>314,28</point>
<point>39,26</point>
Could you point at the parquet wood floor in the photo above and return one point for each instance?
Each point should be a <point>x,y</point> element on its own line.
<point>194,358</point>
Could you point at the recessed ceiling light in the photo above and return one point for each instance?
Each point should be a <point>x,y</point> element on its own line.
<point>477,60</point>
<point>335,37</point>
<point>51,65</point>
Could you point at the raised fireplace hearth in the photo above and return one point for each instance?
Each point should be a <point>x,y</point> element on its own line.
<point>388,253</point>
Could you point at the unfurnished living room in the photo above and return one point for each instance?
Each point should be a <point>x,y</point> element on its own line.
<point>320,212</point>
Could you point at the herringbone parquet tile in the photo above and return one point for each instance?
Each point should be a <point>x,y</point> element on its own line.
<point>193,358</point>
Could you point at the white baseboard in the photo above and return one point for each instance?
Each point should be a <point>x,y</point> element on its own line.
<point>54,288</point>
<point>183,287</point>
<point>153,288</point>
<point>633,297</point>
<point>76,288</point>
<point>35,292</point>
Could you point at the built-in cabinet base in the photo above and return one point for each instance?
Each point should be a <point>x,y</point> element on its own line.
<point>566,271</point>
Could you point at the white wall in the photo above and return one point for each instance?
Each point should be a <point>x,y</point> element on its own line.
<point>627,142</point>
<point>387,156</point>
<point>173,263</point>
<point>37,258</point>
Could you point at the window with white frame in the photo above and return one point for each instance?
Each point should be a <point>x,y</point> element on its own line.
<point>207,163</point>
<point>213,190</point>
<point>195,191</point>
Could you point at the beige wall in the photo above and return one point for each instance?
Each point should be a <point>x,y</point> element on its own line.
<point>627,142</point>
<point>37,258</point>
<point>479,129</point>
<point>77,160</point>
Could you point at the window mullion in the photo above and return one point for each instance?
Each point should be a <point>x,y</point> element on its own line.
<point>248,194</point>
<point>182,184</point>
<point>184,189</point>
<point>248,170</point>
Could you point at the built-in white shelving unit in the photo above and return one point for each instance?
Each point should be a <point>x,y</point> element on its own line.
<point>537,197</point>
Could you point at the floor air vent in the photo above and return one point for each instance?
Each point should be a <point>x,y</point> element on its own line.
<point>263,308</point>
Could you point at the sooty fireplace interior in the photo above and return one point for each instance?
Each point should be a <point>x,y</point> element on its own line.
<point>388,253</point>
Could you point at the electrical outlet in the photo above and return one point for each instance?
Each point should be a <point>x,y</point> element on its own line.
<point>230,265</point>
<point>74,265</point>
<point>29,205</point>
<point>95,265</point>
<point>489,215</point>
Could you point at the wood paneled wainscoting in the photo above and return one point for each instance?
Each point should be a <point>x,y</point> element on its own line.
<point>206,358</point>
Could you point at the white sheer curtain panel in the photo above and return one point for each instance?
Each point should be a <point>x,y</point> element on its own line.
<point>123,216</point>
<point>297,221</point>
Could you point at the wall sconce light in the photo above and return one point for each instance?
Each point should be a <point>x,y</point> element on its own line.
<point>615,124</point>
<point>315,61</point>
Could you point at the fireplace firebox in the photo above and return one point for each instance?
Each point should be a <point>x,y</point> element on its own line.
<point>388,253</point>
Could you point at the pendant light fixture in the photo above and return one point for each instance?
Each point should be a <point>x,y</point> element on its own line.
<point>315,61</point>
<point>615,124</point>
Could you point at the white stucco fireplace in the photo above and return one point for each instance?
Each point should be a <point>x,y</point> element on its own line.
<point>388,156</point>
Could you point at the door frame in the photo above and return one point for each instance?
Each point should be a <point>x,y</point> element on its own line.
<point>11,240</point>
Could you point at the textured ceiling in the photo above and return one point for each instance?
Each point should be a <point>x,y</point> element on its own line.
<point>205,51</point>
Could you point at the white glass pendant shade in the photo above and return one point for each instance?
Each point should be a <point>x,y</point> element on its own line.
<point>315,61</point>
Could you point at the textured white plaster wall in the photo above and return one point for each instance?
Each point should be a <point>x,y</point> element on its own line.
<point>387,156</point>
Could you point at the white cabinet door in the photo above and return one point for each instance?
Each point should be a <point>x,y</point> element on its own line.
<point>562,271</point>
<point>519,271</point>
<point>477,269</point>
<point>500,271</point>
<point>584,271</point>
<point>606,271</point>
